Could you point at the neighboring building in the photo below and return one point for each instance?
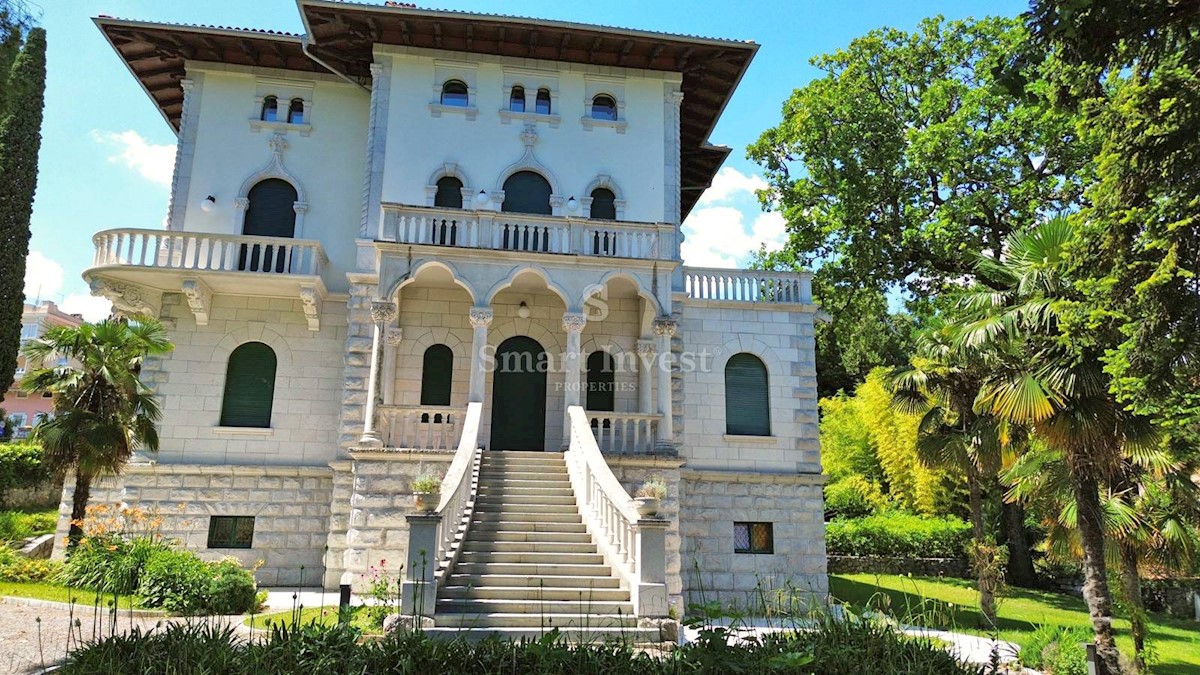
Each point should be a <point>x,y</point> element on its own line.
<point>22,407</point>
<point>412,234</point>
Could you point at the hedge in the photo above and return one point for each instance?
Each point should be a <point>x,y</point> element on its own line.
<point>21,467</point>
<point>898,535</point>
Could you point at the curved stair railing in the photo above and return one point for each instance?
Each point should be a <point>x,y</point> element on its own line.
<point>635,547</point>
<point>435,539</point>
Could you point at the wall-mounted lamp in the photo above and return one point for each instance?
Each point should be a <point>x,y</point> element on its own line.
<point>572,204</point>
<point>523,310</point>
<point>481,198</point>
<point>208,204</point>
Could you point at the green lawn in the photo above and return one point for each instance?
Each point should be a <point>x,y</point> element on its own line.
<point>323,616</point>
<point>951,604</point>
<point>58,593</point>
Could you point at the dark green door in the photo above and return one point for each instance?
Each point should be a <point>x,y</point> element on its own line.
<point>519,396</point>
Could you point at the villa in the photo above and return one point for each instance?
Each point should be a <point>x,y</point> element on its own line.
<point>413,241</point>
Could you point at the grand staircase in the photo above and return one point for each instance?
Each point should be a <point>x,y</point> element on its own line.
<point>528,562</point>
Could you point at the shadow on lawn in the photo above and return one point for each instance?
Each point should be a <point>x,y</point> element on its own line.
<point>911,606</point>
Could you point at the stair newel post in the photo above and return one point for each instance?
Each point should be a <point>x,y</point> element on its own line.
<point>382,313</point>
<point>651,543</point>
<point>418,593</point>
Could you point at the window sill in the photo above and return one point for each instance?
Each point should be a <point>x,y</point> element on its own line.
<point>258,125</point>
<point>761,440</point>
<point>436,109</point>
<point>243,431</point>
<point>507,116</point>
<point>589,122</point>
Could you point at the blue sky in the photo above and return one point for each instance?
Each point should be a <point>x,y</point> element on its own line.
<point>106,155</point>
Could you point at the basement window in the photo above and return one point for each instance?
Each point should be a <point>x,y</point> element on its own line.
<point>753,538</point>
<point>230,531</point>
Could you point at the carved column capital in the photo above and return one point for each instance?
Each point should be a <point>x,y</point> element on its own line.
<point>481,317</point>
<point>664,327</point>
<point>573,322</point>
<point>383,311</point>
<point>393,336</point>
<point>645,347</point>
<point>241,203</point>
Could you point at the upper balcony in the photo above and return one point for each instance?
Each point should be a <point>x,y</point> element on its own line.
<point>530,233</point>
<point>133,268</point>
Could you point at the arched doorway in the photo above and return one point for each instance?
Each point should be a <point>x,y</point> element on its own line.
<point>519,395</point>
<point>271,212</point>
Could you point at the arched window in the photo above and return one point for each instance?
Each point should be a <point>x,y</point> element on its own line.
<point>542,106</point>
<point>454,92</point>
<point>527,192</point>
<point>270,109</point>
<point>249,387</point>
<point>449,193</point>
<point>604,204</point>
<point>604,107</point>
<point>296,111</point>
<point>516,101</point>
<point>747,401</point>
<point>601,387</point>
<point>271,213</point>
<point>437,369</point>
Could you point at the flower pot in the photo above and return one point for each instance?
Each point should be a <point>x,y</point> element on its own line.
<point>426,501</point>
<point>648,506</point>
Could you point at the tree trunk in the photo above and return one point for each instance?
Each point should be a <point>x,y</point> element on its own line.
<point>79,502</point>
<point>1095,580</point>
<point>987,590</point>
<point>1131,585</point>
<point>1020,562</point>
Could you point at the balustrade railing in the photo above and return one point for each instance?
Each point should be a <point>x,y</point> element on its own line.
<point>633,545</point>
<point>704,283</point>
<point>525,232</point>
<point>206,251</point>
<point>624,433</point>
<point>431,428</point>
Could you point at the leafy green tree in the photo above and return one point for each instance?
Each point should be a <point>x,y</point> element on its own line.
<point>1132,70</point>
<point>102,410</point>
<point>908,157</point>
<point>20,139</point>
<point>1056,388</point>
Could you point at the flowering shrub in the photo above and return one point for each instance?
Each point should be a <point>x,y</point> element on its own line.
<point>26,570</point>
<point>383,593</point>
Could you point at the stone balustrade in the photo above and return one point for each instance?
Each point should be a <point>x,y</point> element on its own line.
<point>710,283</point>
<point>426,428</point>
<point>624,433</point>
<point>526,232</point>
<point>208,251</point>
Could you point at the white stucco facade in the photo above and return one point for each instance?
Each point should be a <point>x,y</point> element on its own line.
<point>380,275</point>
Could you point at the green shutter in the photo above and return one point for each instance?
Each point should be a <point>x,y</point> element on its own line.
<point>249,387</point>
<point>437,368</point>
<point>747,402</point>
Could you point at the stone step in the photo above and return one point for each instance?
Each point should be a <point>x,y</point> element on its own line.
<point>531,606</point>
<point>520,474</point>
<point>534,558</point>
<point>532,570</point>
<point>499,523</point>
<point>546,462</point>
<point>486,535</point>
<point>566,517</point>
<point>499,481</point>
<point>523,581</point>
<point>524,499</point>
<point>522,620</point>
<point>535,593</point>
<point>535,547</point>
<point>570,634</point>
<point>510,491</point>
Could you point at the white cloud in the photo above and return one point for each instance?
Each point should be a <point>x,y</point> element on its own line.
<point>90,307</point>
<point>730,183</point>
<point>717,236</point>
<point>154,162</point>
<point>43,277</point>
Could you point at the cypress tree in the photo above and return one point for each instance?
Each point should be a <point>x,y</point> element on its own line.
<point>20,139</point>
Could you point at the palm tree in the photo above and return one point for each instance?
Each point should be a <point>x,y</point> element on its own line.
<point>102,411</point>
<point>941,384</point>
<point>1057,386</point>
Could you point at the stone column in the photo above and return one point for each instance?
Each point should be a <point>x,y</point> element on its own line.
<point>382,312</point>
<point>481,318</point>
<point>391,345</point>
<point>665,329</point>
<point>645,366</point>
<point>573,323</point>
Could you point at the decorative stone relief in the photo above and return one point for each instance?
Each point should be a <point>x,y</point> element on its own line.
<point>383,311</point>
<point>665,327</point>
<point>393,337</point>
<point>310,297</point>
<point>574,323</point>
<point>199,299</point>
<point>481,317</point>
<point>645,348</point>
<point>128,299</point>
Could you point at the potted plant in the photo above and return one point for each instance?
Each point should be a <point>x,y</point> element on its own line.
<point>650,495</point>
<point>427,491</point>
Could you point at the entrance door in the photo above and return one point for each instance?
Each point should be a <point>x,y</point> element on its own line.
<point>519,396</point>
